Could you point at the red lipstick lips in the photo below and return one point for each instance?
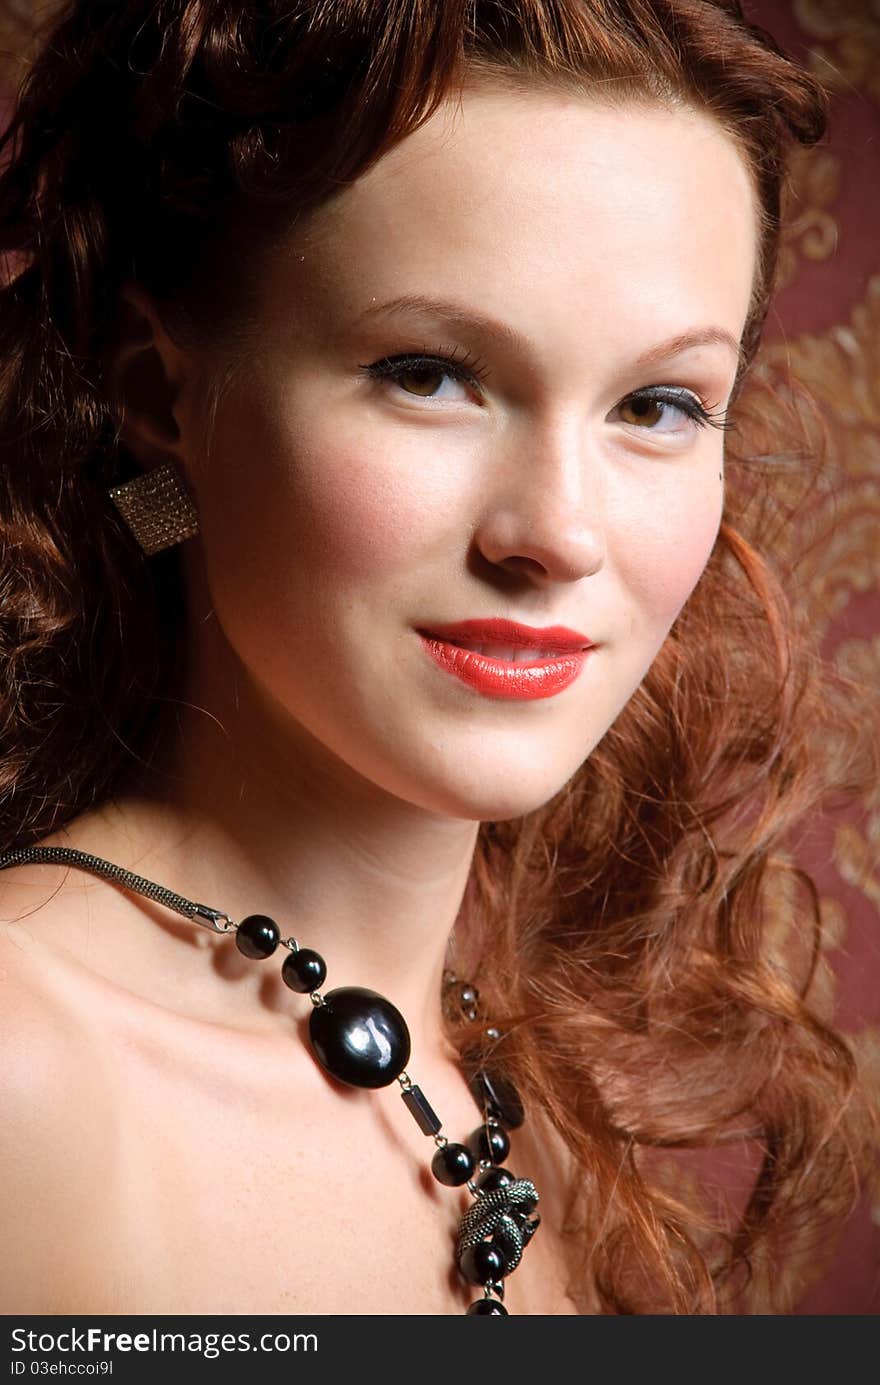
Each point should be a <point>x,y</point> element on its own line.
<point>501,658</point>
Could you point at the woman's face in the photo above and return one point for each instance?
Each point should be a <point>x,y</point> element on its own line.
<point>343,510</point>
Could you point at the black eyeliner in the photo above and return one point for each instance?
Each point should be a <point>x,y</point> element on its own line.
<point>687,402</point>
<point>470,370</point>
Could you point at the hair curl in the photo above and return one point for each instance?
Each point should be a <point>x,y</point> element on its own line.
<point>623,933</point>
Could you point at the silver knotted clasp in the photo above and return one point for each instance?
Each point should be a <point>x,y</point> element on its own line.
<point>503,1212</point>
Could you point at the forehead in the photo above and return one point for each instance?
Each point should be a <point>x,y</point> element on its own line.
<point>535,201</point>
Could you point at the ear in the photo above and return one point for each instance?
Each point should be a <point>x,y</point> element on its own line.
<point>146,371</point>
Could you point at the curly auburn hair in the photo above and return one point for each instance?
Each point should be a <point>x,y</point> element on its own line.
<point>622,934</point>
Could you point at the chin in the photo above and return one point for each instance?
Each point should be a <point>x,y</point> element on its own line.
<point>474,779</point>
<point>487,797</point>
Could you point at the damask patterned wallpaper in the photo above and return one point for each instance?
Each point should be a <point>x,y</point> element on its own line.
<point>824,332</point>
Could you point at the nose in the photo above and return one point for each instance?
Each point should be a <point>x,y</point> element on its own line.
<point>545,515</point>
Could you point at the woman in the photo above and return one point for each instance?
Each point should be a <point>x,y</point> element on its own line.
<point>438,645</point>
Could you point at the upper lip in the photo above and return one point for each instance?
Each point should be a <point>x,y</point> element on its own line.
<point>497,630</point>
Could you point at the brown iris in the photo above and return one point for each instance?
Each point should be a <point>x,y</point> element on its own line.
<point>645,410</point>
<point>424,375</point>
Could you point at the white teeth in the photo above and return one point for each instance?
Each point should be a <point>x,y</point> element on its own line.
<point>509,653</point>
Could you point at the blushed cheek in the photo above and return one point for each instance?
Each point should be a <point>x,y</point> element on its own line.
<point>356,515</point>
<point>321,511</point>
<point>667,553</point>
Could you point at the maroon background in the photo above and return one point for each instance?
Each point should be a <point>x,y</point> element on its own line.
<point>827,323</point>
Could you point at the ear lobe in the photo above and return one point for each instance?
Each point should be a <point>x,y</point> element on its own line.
<point>146,376</point>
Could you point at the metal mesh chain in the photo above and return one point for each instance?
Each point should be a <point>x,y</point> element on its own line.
<point>68,855</point>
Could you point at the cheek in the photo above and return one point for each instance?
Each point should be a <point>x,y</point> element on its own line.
<point>360,509</point>
<point>663,547</point>
<point>320,508</point>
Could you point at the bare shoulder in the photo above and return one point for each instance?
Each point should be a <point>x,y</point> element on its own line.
<point>32,911</point>
<point>47,1084</point>
<point>46,1001</point>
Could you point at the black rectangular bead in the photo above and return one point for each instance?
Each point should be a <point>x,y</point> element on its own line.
<point>422,1111</point>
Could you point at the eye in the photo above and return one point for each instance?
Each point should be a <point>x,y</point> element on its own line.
<point>418,374</point>
<point>656,402</point>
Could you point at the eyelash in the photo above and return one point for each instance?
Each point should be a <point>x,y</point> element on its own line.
<point>472,370</point>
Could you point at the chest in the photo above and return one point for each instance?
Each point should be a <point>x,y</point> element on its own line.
<point>198,1181</point>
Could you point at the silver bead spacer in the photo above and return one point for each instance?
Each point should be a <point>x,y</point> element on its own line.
<point>213,918</point>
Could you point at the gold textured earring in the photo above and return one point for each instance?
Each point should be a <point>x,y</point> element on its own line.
<point>157,508</point>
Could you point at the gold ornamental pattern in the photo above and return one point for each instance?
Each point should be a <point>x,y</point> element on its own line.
<point>844,39</point>
<point>812,234</point>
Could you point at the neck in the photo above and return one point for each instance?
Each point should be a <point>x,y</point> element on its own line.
<point>249,814</point>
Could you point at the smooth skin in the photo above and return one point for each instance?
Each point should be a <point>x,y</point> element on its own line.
<point>328,773</point>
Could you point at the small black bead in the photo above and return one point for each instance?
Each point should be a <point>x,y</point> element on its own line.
<point>257,936</point>
<point>453,1165</point>
<point>483,1263</point>
<point>490,1179</point>
<point>490,1143</point>
<point>505,1243</point>
<point>487,1307</point>
<point>303,971</point>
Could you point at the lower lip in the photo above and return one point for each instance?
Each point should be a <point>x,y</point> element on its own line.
<point>499,678</point>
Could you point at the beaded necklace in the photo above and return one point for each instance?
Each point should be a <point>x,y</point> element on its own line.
<point>362,1040</point>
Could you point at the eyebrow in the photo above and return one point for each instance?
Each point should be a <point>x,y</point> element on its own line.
<point>460,316</point>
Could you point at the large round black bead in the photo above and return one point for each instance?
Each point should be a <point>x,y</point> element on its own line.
<point>483,1263</point>
<point>257,936</point>
<point>359,1037</point>
<point>453,1165</point>
<point>487,1307</point>
<point>304,970</point>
